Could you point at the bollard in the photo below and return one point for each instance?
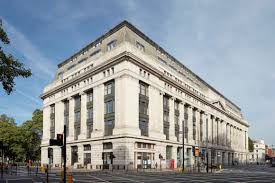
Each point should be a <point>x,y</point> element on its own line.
<point>70,179</point>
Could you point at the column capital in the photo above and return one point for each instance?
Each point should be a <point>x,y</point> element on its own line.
<point>82,93</point>
<point>161,92</point>
<point>173,98</point>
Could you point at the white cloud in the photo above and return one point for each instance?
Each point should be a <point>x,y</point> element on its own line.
<point>30,97</point>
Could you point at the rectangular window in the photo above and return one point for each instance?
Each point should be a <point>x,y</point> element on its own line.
<point>143,126</point>
<point>107,145</point>
<point>109,107</point>
<point>87,147</point>
<point>143,89</point>
<point>90,97</point>
<point>77,101</point>
<point>52,109</point>
<point>111,45</point>
<point>140,46</point>
<point>77,116</point>
<point>165,116</point>
<point>108,89</point>
<point>165,101</point>
<point>66,106</point>
<point>95,53</point>
<point>176,106</point>
<point>109,125</point>
<point>143,107</point>
<point>176,119</point>
<point>89,114</point>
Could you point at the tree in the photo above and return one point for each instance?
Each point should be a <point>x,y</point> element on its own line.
<point>31,131</point>
<point>23,141</point>
<point>10,68</point>
<point>250,145</point>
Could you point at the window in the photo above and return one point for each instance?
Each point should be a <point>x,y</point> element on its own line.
<point>176,106</point>
<point>77,101</point>
<point>77,116</point>
<point>165,116</point>
<point>82,60</point>
<point>89,114</point>
<point>87,147</point>
<point>143,89</point>
<point>60,75</point>
<point>87,158</point>
<point>95,53</point>
<point>176,119</point>
<point>109,107</point>
<point>107,145</point>
<point>90,97</point>
<point>161,60</point>
<point>52,109</point>
<point>166,101</point>
<point>140,46</point>
<point>108,89</point>
<point>143,126</point>
<point>143,107</point>
<point>111,45</point>
<point>66,106</point>
<point>52,122</point>
<point>70,67</point>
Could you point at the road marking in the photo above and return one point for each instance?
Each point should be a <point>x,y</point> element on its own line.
<point>98,178</point>
<point>125,178</point>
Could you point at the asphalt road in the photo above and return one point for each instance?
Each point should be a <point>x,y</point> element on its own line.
<point>249,174</point>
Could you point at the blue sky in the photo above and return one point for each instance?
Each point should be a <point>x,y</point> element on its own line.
<point>230,44</point>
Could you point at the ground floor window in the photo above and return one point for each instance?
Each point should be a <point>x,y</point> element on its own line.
<point>74,154</point>
<point>145,160</point>
<point>87,158</point>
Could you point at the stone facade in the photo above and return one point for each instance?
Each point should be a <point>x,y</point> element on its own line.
<point>259,153</point>
<point>124,94</point>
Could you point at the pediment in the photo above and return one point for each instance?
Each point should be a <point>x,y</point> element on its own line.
<point>219,105</point>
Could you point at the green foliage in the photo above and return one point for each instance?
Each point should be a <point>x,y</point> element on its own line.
<point>24,140</point>
<point>250,145</point>
<point>10,68</point>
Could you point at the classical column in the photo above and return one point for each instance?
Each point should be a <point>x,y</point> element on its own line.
<point>172,119</point>
<point>98,115</point>
<point>83,123</point>
<point>71,118</point>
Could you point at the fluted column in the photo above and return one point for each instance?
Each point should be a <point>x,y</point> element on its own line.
<point>46,125</point>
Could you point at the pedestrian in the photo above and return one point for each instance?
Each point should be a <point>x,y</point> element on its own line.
<point>156,165</point>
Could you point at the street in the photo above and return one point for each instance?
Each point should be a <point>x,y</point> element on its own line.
<point>251,173</point>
